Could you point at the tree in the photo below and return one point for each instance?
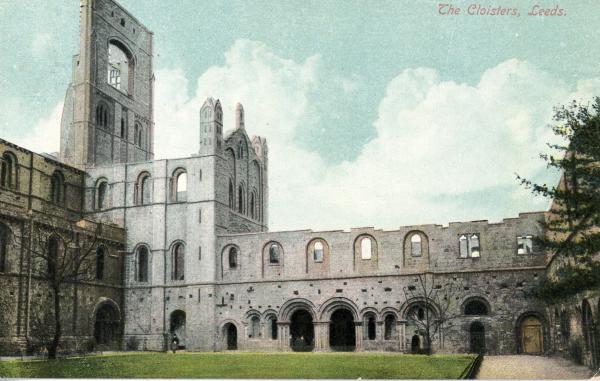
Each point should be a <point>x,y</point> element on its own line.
<point>60,256</point>
<point>432,302</point>
<point>572,226</point>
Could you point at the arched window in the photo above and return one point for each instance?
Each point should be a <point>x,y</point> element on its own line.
<point>179,182</point>
<point>144,189</point>
<point>53,254</point>
<point>4,235</point>
<point>273,326</point>
<point>241,199</point>
<point>178,262</point>
<point>8,171</point>
<point>102,119</point>
<point>100,263</point>
<point>371,328</point>
<point>476,307</point>
<point>254,327</point>
<point>240,150</point>
<point>389,327</point>
<point>138,134</point>
<point>123,128</point>
<point>365,248</point>
<point>231,195</point>
<point>57,188</point>
<point>120,67</point>
<point>415,245</point>
<point>318,252</point>
<point>565,326</point>
<point>274,253</point>
<point>252,206</point>
<point>142,264</point>
<point>420,314</point>
<point>232,257</point>
<point>101,194</point>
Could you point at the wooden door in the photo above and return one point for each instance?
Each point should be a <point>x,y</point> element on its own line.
<point>532,336</point>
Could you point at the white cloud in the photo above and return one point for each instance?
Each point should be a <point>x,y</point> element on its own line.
<point>443,151</point>
<point>40,45</point>
<point>44,136</point>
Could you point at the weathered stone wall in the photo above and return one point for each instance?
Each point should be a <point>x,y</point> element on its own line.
<point>30,216</point>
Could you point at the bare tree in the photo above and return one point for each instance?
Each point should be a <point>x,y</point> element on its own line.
<point>432,299</point>
<point>60,255</point>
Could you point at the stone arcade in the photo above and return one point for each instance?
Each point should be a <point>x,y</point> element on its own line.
<point>186,247</point>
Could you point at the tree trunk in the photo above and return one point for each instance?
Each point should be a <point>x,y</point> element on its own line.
<point>53,349</point>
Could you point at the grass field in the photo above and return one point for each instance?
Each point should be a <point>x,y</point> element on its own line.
<point>242,365</point>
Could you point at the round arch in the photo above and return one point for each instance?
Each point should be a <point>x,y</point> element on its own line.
<point>289,307</point>
<point>329,307</point>
<point>475,298</point>
<point>106,322</point>
<point>417,301</point>
<point>528,330</point>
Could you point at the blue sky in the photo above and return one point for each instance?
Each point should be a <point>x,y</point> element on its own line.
<point>377,113</point>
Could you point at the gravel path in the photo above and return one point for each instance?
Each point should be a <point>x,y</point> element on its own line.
<point>530,367</point>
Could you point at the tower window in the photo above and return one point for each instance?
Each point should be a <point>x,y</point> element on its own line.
<point>231,195</point>
<point>142,264</point>
<point>101,194</point>
<point>120,66</point>
<point>102,116</point>
<point>178,262</point>
<point>8,171</point>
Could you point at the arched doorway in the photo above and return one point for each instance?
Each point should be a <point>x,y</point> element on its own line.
<point>302,331</point>
<point>178,327</point>
<point>532,337</point>
<point>477,338</point>
<point>107,326</point>
<point>342,335</point>
<point>230,336</point>
<point>415,344</point>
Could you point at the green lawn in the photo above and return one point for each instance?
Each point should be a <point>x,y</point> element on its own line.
<point>242,365</point>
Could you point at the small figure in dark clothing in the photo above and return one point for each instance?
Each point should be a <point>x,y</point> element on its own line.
<point>174,343</point>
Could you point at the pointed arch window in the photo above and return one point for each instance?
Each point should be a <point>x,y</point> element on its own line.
<point>241,199</point>
<point>231,195</point>
<point>252,205</point>
<point>142,264</point>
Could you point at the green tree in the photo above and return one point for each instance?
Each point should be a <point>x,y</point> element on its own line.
<point>572,225</point>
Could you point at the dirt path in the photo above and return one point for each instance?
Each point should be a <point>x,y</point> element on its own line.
<point>530,367</point>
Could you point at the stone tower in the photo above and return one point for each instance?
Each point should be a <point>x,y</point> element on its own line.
<point>108,112</point>
<point>211,127</point>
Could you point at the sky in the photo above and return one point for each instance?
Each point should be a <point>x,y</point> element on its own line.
<point>376,113</point>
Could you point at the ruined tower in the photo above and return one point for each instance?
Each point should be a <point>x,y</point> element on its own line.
<point>108,114</point>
